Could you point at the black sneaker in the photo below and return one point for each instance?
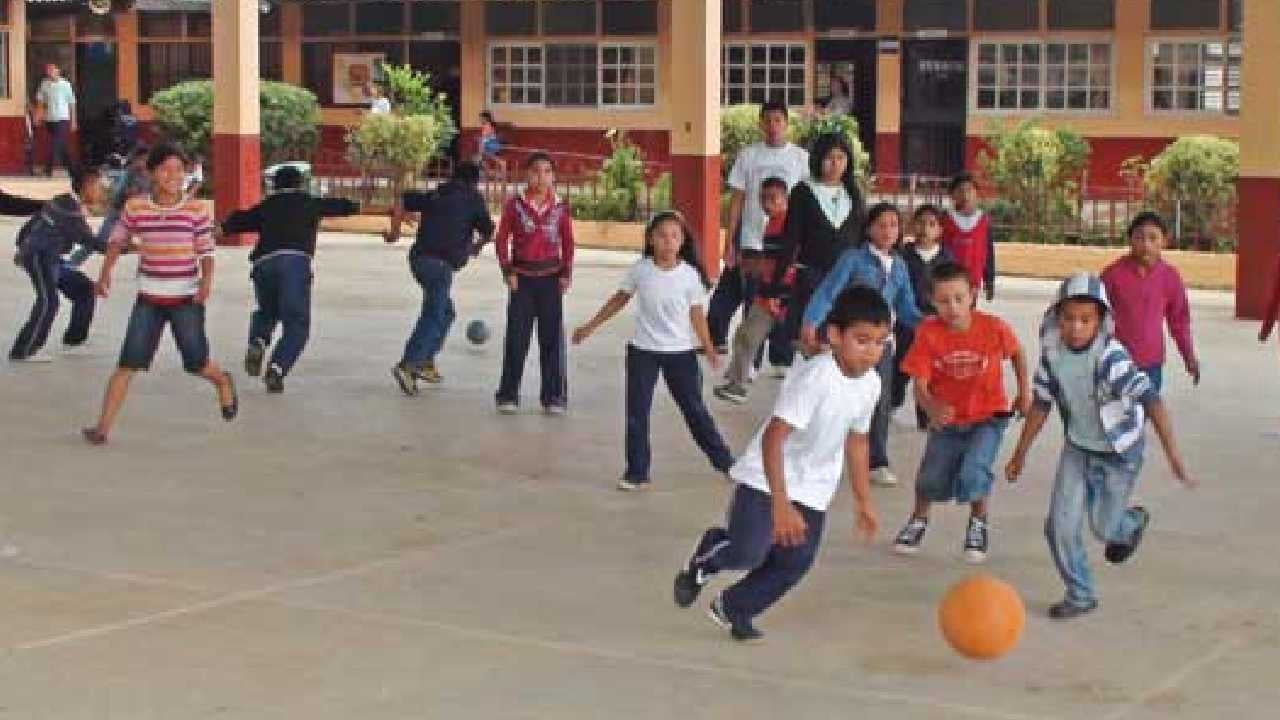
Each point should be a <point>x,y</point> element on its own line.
<point>253,358</point>
<point>731,392</point>
<point>1068,610</point>
<point>404,377</point>
<point>738,629</point>
<point>688,584</point>
<point>975,540</point>
<point>274,379</point>
<point>1117,553</point>
<point>908,541</point>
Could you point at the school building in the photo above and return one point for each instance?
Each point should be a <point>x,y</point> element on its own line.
<point>928,77</point>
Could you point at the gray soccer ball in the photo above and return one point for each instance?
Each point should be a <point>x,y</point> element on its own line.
<point>477,332</point>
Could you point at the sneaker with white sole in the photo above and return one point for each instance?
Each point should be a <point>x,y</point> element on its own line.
<point>779,371</point>
<point>40,356</point>
<point>884,477</point>
<point>910,537</point>
<point>630,484</point>
<point>253,357</point>
<point>78,350</point>
<point>405,379</point>
<point>508,408</point>
<point>975,540</point>
<point>731,392</point>
<point>554,410</point>
<point>739,628</point>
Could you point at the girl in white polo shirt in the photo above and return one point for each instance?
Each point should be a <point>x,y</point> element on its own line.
<point>670,289</point>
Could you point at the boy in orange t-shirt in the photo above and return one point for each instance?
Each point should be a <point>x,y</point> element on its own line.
<point>956,361</point>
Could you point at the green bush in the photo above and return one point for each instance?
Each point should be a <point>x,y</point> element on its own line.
<point>1037,173</point>
<point>806,128</point>
<point>290,116</point>
<point>410,93</point>
<point>615,193</point>
<point>394,146</point>
<point>1198,173</point>
<point>740,127</point>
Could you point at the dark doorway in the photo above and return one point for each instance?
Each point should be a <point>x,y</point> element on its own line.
<point>96,97</point>
<point>854,61</point>
<point>934,105</point>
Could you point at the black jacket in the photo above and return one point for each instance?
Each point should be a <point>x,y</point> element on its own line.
<point>58,227</point>
<point>921,272</point>
<point>288,220</point>
<point>450,215</point>
<point>809,237</point>
<point>15,205</point>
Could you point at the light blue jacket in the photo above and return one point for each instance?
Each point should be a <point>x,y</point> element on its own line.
<point>860,266</point>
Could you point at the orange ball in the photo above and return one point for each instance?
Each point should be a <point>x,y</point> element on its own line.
<point>981,617</point>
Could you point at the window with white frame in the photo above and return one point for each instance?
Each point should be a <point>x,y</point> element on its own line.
<point>763,72</point>
<point>515,75</point>
<point>1196,76</point>
<point>1053,75</point>
<point>572,75</point>
<point>628,75</point>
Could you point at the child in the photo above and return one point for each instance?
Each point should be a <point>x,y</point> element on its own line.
<point>922,255</point>
<point>1272,313</point>
<point>286,223</point>
<point>1103,398</point>
<point>877,265</point>
<point>175,278</point>
<point>535,252</point>
<point>767,307</point>
<point>966,234</point>
<point>58,229</point>
<point>490,148</point>
<point>956,362</point>
<point>1146,292</point>
<point>670,289</point>
<point>450,216</point>
<point>787,477</point>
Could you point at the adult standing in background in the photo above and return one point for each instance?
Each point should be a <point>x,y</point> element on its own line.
<point>841,100</point>
<point>57,101</point>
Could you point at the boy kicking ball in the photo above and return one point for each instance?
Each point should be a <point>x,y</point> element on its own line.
<point>790,471</point>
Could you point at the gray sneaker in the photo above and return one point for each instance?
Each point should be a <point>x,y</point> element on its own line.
<point>253,358</point>
<point>404,377</point>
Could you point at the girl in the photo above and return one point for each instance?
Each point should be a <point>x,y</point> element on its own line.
<point>824,218</point>
<point>670,288</point>
<point>875,264</point>
<point>922,255</point>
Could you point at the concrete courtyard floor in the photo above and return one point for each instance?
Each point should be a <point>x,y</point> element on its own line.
<point>344,551</point>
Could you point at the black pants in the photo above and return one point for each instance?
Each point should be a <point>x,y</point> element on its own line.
<point>903,337</point>
<point>536,299</point>
<point>49,277</point>
<point>58,153</point>
<point>684,379</point>
<point>729,296</point>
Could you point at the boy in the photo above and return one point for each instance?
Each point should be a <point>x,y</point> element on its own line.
<point>790,471</point>
<point>175,278</point>
<point>1146,292</point>
<point>286,223</point>
<point>535,252</point>
<point>451,216</point>
<point>966,234</point>
<point>767,307</point>
<point>1103,399</point>
<point>922,255</point>
<point>59,228</point>
<point>955,361</point>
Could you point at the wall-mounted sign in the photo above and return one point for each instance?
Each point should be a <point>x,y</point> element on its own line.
<point>353,76</point>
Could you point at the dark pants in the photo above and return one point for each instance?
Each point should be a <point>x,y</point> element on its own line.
<point>58,153</point>
<point>684,380</point>
<point>49,277</point>
<point>282,286</point>
<point>729,296</point>
<point>536,299</point>
<point>903,336</point>
<point>747,544</point>
<point>437,314</point>
<point>879,456</point>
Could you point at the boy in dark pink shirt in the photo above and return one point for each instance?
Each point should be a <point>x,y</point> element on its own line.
<point>1145,293</point>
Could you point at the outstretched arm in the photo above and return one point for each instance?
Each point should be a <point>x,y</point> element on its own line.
<point>608,310</point>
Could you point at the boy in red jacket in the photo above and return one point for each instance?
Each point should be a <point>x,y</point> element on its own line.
<point>966,235</point>
<point>535,251</point>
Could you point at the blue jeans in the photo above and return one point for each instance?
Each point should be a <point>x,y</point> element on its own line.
<point>437,315</point>
<point>684,379</point>
<point>146,327</point>
<point>282,286</point>
<point>49,277</point>
<point>1156,374</point>
<point>957,461</point>
<point>747,544</point>
<point>1097,485</point>
<point>879,455</point>
<point>537,299</point>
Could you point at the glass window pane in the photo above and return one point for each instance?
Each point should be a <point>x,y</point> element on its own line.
<point>777,15</point>
<point>935,15</point>
<point>986,99</point>
<point>569,17</point>
<point>986,53</point>
<point>379,18</point>
<point>844,14</point>
<point>630,17</point>
<point>1081,14</point>
<point>1030,99</point>
<point>511,17</point>
<point>164,24</point>
<point>1006,14</point>
<point>436,16</point>
<point>1099,100</point>
<point>1056,53</point>
<point>1185,14</point>
<point>322,18</point>
<point>731,21</point>
<point>1055,99</point>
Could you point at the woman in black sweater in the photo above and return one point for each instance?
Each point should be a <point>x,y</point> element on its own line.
<point>824,218</point>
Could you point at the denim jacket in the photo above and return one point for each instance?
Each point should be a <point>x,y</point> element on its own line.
<point>860,266</point>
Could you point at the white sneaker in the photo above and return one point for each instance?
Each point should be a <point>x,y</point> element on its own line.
<point>508,408</point>
<point>81,350</point>
<point>40,356</point>
<point>884,477</point>
<point>780,371</point>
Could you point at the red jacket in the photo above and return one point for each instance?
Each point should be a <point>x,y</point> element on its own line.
<point>535,241</point>
<point>971,248</point>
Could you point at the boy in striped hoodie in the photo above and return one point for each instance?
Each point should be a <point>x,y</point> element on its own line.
<point>1104,399</point>
<point>175,277</point>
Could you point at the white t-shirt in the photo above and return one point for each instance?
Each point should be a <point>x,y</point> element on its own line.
<point>663,299</point>
<point>380,106</point>
<point>823,406</point>
<point>755,164</point>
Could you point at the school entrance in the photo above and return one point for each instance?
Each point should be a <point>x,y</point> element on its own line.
<point>934,105</point>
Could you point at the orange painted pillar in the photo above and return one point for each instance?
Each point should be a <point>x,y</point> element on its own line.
<point>237,154</point>
<point>1258,225</point>
<point>695,122</point>
<point>888,149</point>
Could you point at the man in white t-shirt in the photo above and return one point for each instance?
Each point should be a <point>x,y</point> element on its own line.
<point>789,474</point>
<point>57,102</point>
<point>775,156</point>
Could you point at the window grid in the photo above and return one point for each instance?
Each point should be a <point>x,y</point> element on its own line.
<point>628,75</point>
<point>515,74</point>
<point>1053,75</point>
<point>763,72</point>
<point>1199,76</point>
<point>607,75</point>
<point>571,76</point>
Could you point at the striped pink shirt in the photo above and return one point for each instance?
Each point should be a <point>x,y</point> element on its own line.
<point>172,240</point>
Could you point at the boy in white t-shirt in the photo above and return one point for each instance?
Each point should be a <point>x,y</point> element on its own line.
<point>790,472</point>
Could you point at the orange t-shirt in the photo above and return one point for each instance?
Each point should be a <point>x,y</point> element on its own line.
<point>963,369</point>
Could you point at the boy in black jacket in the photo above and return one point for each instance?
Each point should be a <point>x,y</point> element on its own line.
<point>286,223</point>
<point>42,241</point>
<point>450,216</point>
<point>922,255</point>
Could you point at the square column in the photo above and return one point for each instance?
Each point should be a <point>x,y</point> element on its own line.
<point>695,122</point>
<point>1258,226</point>
<point>237,154</point>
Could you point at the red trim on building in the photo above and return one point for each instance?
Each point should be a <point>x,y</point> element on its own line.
<point>237,174</point>
<point>888,154</point>
<point>695,193</point>
<point>13,132</point>
<point>1258,244</point>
